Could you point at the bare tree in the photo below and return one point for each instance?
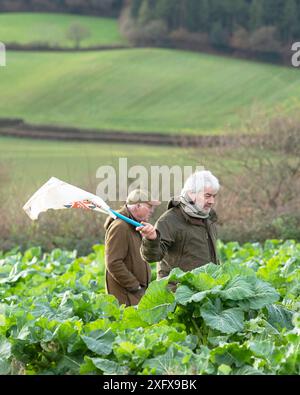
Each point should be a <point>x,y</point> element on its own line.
<point>76,33</point>
<point>260,181</point>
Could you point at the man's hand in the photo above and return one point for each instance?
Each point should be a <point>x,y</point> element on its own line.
<point>140,291</point>
<point>148,231</point>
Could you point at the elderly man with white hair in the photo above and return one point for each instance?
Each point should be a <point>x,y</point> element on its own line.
<point>185,235</point>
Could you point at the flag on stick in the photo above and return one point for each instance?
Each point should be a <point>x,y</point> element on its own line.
<point>56,194</point>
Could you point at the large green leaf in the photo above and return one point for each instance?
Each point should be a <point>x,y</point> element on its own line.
<point>203,363</point>
<point>100,343</point>
<point>12,278</point>
<point>280,317</point>
<point>234,269</point>
<point>33,252</point>
<point>107,366</point>
<point>176,274</point>
<point>262,348</point>
<point>67,332</point>
<point>231,354</point>
<point>174,361</point>
<point>247,370</point>
<point>5,348</point>
<point>5,354</point>
<point>67,365</point>
<point>238,288</point>
<point>204,282</point>
<point>212,269</point>
<point>131,319</point>
<point>202,278</point>
<point>107,306</point>
<point>264,294</point>
<point>185,295</point>
<point>157,302</point>
<point>225,321</point>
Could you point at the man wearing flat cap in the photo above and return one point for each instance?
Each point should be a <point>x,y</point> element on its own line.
<point>127,274</point>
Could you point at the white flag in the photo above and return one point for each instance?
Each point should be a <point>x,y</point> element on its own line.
<point>57,194</point>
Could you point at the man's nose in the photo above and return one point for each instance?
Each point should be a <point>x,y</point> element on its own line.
<point>211,200</point>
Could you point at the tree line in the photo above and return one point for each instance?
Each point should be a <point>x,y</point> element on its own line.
<point>266,26</point>
<point>258,25</point>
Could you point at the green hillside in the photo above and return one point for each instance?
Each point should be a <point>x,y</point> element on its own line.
<point>29,28</point>
<point>144,90</point>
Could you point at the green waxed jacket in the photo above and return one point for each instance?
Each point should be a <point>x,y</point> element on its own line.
<point>182,241</point>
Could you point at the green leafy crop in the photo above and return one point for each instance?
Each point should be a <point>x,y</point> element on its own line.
<point>240,317</point>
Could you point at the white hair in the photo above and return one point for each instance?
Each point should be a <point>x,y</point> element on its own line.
<point>200,180</point>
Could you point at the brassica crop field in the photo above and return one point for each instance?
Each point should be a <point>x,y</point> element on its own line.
<point>240,317</point>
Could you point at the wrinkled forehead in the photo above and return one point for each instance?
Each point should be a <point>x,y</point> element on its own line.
<point>207,190</point>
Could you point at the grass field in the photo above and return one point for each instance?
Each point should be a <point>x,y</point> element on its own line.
<point>144,90</point>
<point>29,28</point>
<point>31,162</point>
<point>27,164</point>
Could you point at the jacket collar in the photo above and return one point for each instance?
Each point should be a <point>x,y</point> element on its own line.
<point>122,210</point>
<point>195,221</point>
